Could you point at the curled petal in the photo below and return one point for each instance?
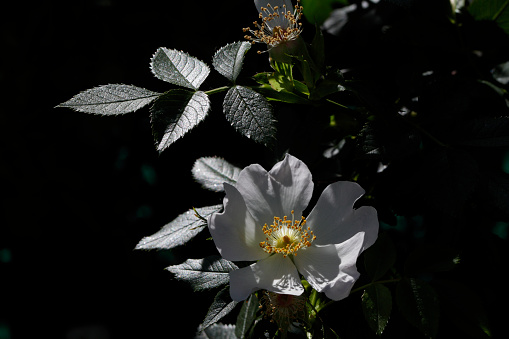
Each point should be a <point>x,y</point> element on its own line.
<point>333,219</point>
<point>275,274</point>
<point>235,233</point>
<point>288,186</point>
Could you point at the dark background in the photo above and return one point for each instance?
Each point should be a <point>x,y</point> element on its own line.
<point>79,191</point>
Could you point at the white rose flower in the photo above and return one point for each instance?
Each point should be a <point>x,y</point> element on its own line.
<point>262,221</point>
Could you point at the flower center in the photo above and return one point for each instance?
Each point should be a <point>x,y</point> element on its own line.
<point>277,25</point>
<point>286,236</point>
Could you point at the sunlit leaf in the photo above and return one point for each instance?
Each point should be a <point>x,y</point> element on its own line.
<point>178,68</point>
<point>377,306</point>
<point>204,273</point>
<point>250,114</point>
<point>212,172</point>
<point>111,99</point>
<point>228,60</point>
<point>175,113</point>
<point>185,227</point>
<point>217,331</point>
<point>221,306</point>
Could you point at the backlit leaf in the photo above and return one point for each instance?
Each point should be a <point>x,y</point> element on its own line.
<point>185,227</point>
<point>111,99</point>
<point>175,113</point>
<point>228,60</point>
<point>204,273</point>
<point>250,114</point>
<point>212,172</point>
<point>178,68</point>
<point>221,306</point>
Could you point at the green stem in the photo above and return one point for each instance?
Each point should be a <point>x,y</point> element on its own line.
<point>497,15</point>
<point>217,90</point>
<point>337,104</point>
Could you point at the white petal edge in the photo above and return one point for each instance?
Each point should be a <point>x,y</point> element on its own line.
<point>331,269</point>
<point>235,233</point>
<point>296,184</point>
<point>266,197</point>
<point>275,273</point>
<point>333,219</point>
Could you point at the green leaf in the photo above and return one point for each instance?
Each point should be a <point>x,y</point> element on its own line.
<point>483,132</point>
<point>178,68</point>
<point>246,316</point>
<point>494,10</point>
<point>212,172</point>
<point>221,306</point>
<point>217,331</point>
<point>377,306</point>
<point>316,11</point>
<point>284,96</point>
<point>418,303</point>
<point>175,113</point>
<point>206,273</point>
<point>250,114</point>
<point>228,60</point>
<point>464,307</point>
<point>185,227</point>
<point>380,257</point>
<point>318,48</point>
<point>111,99</point>
<point>431,258</point>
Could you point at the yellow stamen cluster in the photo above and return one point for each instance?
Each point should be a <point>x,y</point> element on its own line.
<point>271,34</point>
<point>286,236</point>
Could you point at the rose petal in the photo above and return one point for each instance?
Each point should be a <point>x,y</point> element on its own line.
<point>288,186</point>
<point>235,233</point>
<point>275,273</point>
<point>318,264</point>
<point>333,220</point>
<point>296,184</point>
<point>331,269</point>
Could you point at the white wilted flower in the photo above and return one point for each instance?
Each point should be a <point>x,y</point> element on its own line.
<point>279,27</point>
<point>262,221</point>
